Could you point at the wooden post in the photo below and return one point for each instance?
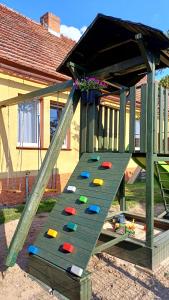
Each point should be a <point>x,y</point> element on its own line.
<point>91,128</point>
<point>121,195</point>
<point>42,179</point>
<point>83,127</point>
<point>132,119</point>
<point>149,159</point>
<point>122,122</point>
<point>143,119</point>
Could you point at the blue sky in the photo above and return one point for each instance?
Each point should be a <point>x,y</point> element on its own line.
<point>78,13</point>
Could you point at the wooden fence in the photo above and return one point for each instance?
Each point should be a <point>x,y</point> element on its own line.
<point>116,127</point>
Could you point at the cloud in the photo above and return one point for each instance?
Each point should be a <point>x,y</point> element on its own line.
<point>72,32</point>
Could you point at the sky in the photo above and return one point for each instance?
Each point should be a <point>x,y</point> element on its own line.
<point>76,15</point>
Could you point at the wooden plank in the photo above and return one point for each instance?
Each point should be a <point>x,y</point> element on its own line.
<point>96,128</point>
<point>161,120</point>
<point>130,251</point>
<point>67,284</point>
<point>105,138</point>
<point>42,179</point>
<point>116,125</point>
<point>50,90</point>
<point>166,121</point>
<point>109,244</point>
<point>156,117</point>
<point>122,122</point>
<point>90,128</point>
<point>132,119</point>
<point>83,126</point>
<point>128,65</point>
<point>111,130</point>
<point>100,133</point>
<point>143,119</point>
<point>149,159</point>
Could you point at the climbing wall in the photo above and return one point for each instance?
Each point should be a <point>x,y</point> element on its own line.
<point>68,238</point>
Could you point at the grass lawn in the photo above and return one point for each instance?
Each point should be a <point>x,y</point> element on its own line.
<point>135,193</point>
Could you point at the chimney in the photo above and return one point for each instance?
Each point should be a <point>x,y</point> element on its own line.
<point>51,23</point>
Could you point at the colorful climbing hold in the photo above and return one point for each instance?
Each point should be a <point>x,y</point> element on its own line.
<point>70,210</point>
<point>83,199</point>
<point>106,165</point>
<point>97,181</point>
<point>95,157</point>
<point>94,209</point>
<point>71,189</point>
<point>71,226</point>
<point>52,233</point>
<point>66,247</point>
<point>33,249</point>
<point>76,270</point>
<point>85,174</point>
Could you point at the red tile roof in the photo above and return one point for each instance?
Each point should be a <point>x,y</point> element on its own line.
<point>27,44</point>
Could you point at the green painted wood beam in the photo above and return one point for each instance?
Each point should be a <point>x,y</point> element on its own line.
<point>126,65</point>
<point>50,90</point>
<point>143,51</point>
<point>109,244</point>
<point>42,179</point>
<point>149,159</point>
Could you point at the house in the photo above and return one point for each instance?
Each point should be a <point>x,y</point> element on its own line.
<point>30,52</point>
<point>29,55</point>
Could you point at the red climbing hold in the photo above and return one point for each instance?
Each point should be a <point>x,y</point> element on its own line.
<point>106,165</point>
<point>70,210</point>
<point>67,247</point>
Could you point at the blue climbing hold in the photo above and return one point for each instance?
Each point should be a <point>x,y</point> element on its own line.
<point>85,174</point>
<point>94,209</point>
<point>33,249</point>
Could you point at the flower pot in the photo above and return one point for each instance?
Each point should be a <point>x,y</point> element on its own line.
<point>84,96</point>
<point>91,96</point>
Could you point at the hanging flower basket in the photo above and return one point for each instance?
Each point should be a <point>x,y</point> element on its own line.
<point>90,88</point>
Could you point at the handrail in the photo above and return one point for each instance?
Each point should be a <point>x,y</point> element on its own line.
<point>42,179</point>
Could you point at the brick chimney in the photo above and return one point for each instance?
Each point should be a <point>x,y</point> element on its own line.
<point>51,23</point>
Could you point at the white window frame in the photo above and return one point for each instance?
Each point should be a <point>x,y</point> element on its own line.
<point>65,143</point>
<point>31,145</point>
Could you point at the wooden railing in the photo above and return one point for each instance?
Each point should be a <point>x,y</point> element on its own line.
<point>116,127</point>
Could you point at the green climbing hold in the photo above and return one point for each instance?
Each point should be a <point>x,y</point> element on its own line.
<point>71,226</point>
<point>83,199</point>
<point>95,157</point>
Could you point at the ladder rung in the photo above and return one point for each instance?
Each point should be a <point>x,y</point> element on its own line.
<point>164,180</point>
<point>165,196</point>
<point>164,172</point>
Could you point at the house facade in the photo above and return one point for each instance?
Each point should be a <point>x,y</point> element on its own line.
<point>29,55</point>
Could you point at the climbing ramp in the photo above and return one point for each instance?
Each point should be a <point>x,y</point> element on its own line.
<point>69,236</point>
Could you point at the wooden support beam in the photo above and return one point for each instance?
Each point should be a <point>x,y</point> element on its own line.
<point>132,125</point>
<point>164,59</point>
<point>143,51</point>
<point>42,179</point>
<point>121,67</point>
<point>109,244</point>
<point>149,158</point>
<point>121,195</point>
<point>50,90</point>
<point>76,70</point>
<point>122,122</point>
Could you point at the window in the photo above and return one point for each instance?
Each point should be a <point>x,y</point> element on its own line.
<point>137,135</point>
<point>29,124</point>
<point>55,114</point>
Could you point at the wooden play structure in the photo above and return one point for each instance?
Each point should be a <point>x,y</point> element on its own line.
<point>120,53</point>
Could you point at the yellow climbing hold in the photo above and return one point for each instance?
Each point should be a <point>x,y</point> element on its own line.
<point>97,181</point>
<point>52,233</point>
